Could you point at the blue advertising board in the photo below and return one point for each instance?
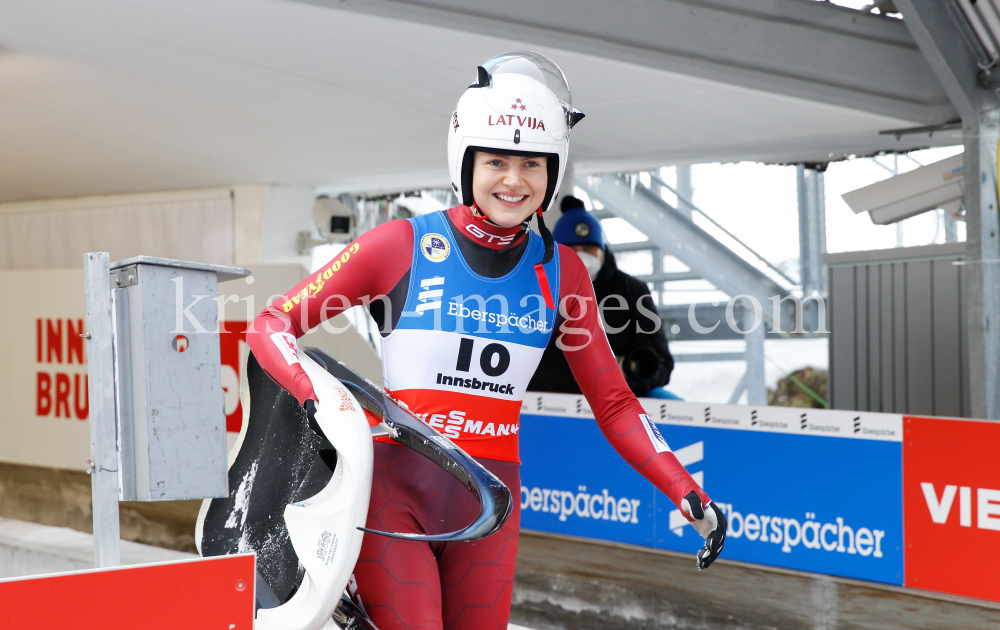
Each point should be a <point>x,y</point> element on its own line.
<point>795,496</point>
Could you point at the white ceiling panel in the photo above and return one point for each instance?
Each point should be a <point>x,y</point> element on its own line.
<point>109,96</point>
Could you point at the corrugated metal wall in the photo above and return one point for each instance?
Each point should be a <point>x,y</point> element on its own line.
<point>898,331</point>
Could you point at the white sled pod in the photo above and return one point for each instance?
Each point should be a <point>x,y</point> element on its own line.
<point>296,500</point>
<point>299,500</point>
<point>324,528</point>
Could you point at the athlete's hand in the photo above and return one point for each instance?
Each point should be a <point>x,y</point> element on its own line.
<point>710,523</point>
<point>310,406</point>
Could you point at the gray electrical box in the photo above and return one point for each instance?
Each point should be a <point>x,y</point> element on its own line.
<point>170,408</point>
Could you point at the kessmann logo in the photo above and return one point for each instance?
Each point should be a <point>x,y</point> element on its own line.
<point>455,424</point>
<point>435,247</point>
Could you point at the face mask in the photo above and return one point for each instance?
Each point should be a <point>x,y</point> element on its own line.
<point>592,263</point>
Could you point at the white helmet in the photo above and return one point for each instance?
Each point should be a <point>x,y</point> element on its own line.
<point>520,104</point>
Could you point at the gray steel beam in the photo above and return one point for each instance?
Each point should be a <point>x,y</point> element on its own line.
<point>668,276</point>
<point>982,272</point>
<point>950,228</point>
<point>812,230</point>
<point>677,322</point>
<point>656,278</point>
<point>755,383</point>
<point>101,394</point>
<point>685,190</point>
<point>941,43</point>
<point>741,387</point>
<point>706,357</point>
<point>810,50</point>
<point>955,66</point>
<point>679,236</point>
<point>639,246</point>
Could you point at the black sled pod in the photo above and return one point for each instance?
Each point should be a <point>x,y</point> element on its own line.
<point>299,501</point>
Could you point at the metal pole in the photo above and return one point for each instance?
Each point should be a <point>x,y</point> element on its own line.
<point>812,232</point>
<point>950,228</point>
<point>820,190</point>
<point>659,287</point>
<point>756,386</point>
<point>684,189</point>
<point>982,274</point>
<point>941,43</point>
<point>101,392</point>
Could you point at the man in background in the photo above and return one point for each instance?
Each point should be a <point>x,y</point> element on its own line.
<point>630,318</point>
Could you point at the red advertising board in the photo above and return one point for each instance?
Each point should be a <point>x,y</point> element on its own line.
<point>61,379</point>
<point>232,340</point>
<point>202,593</point>
<point>951,503</point>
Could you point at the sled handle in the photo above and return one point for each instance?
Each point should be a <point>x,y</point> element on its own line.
<point>495,502</point>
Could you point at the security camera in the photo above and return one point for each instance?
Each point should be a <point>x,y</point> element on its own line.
<point>336,222</point>
<point>937,185</point>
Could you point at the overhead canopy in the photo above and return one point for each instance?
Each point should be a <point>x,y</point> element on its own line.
<point>117,96</point>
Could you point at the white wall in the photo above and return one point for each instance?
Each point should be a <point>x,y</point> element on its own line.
<point>190,225</point>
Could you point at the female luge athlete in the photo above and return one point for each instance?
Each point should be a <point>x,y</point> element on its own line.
<point>466,300</point>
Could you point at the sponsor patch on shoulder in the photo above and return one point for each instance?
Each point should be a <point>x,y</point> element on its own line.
<point>435,247</point>
<point>653,432</point>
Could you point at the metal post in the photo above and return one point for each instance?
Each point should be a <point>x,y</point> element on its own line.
<point>756,386</point>
<point>659,287</point>
<point>942,44</point>
<point>101,392</point>
<point>684,189</point>
<point>950,227</point>
<point>982,274</point>
<point>812,229</point>
<point>821,227</point>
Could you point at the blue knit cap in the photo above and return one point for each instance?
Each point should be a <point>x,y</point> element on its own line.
<point>578,227</point>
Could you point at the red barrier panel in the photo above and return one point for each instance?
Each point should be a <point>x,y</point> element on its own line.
<point>216,593</point>
<point>951,504</point>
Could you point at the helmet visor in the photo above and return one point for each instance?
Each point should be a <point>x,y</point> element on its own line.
<point>534,65</point>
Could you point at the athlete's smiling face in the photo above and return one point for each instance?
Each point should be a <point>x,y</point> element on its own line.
<point>508,188</point>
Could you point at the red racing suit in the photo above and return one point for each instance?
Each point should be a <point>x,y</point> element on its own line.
<point>459,586</point>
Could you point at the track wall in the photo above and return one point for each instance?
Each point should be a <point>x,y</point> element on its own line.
<point>822,491</point>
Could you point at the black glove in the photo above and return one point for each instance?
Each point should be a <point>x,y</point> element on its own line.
<point>710,523</point>
<point>310,406</point>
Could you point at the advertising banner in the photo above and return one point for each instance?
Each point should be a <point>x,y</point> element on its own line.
<point>200,593</point>
<point>812,490</point>
<point>951,490</point>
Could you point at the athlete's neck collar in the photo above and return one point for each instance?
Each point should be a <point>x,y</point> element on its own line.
<point>485,233</point>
